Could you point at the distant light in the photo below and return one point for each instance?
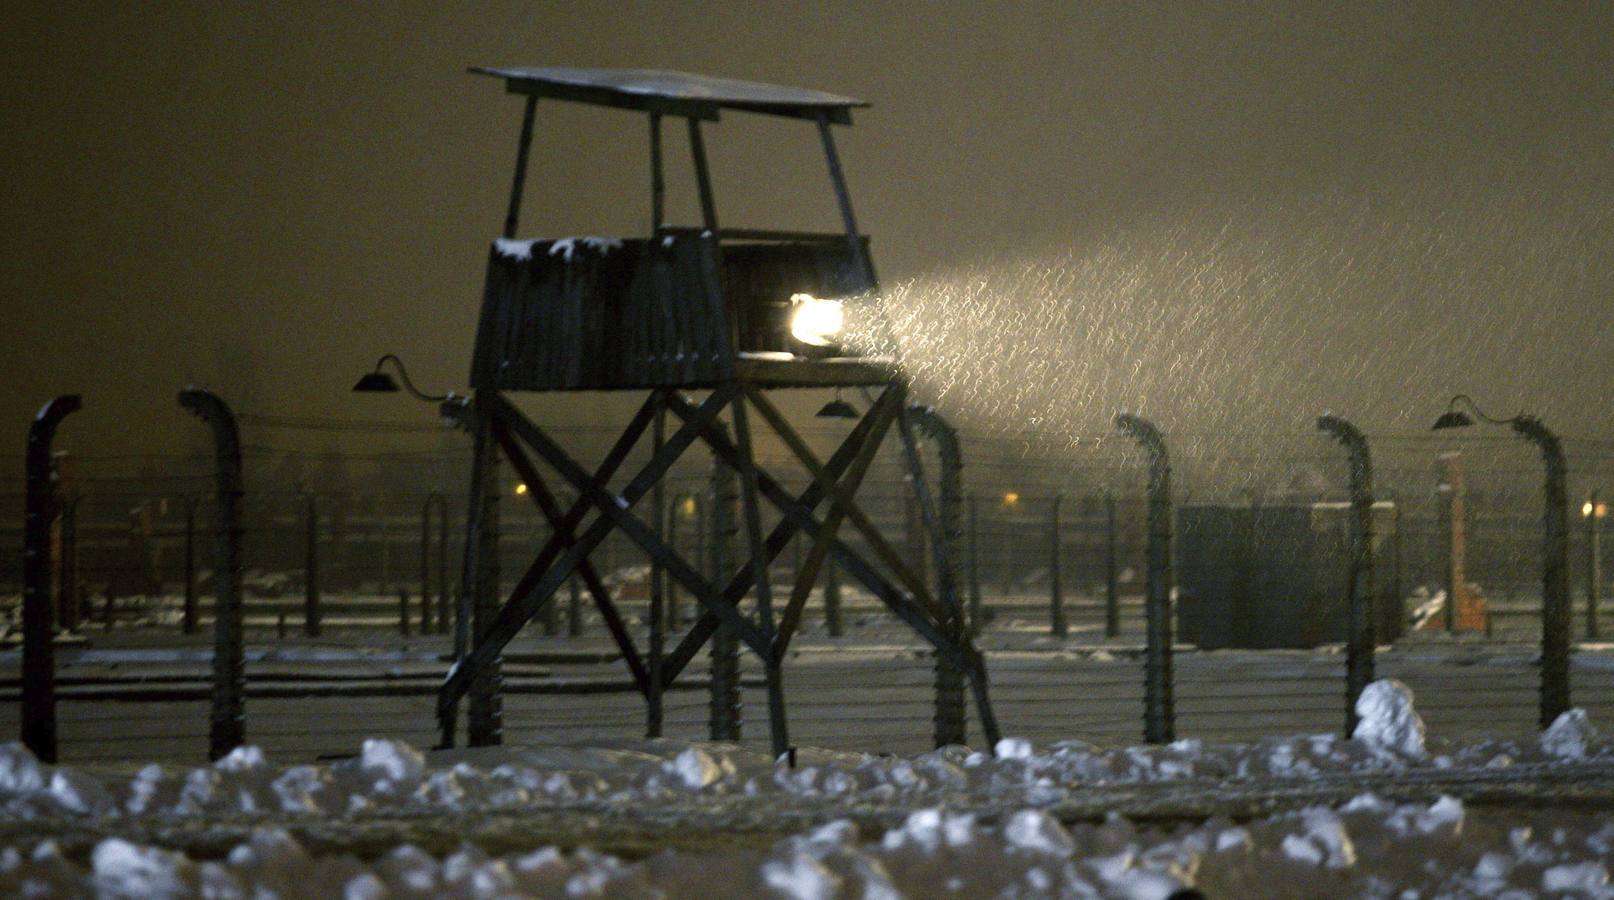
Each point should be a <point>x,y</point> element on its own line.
<point>1011,498</point>
<point>1586,509</point>
<point>816,322</point>
<point>521,489</point>
<point>687,507</point>
<point>1602,510</point>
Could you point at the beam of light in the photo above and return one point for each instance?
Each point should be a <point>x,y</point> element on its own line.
<point>1253,316</point>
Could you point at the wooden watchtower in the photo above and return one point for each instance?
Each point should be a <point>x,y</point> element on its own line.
<point>683,312</point>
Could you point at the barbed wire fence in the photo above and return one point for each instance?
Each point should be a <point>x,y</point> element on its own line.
<point>346,543</point>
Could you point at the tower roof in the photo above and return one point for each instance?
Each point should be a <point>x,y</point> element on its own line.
<point>672,93</point>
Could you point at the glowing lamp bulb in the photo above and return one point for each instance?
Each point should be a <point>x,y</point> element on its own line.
<point>1011,498</point>
<point>521,489</point>
<point>816,322</point>
<point>1586,509</point>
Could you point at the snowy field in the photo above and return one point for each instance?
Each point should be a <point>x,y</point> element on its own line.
<point>128,694</point>
<point>1392,812</point>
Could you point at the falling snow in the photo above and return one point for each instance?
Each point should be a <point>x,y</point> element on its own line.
<point>1256,318</point>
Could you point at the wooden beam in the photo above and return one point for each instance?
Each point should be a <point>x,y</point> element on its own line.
<point>921,618</point>
<point>752,513</point>
<point>512,215</point>
<point>816,372</point>
<point>658,185</point>
<point>541,579</point>
<point>613,508</point>
<point>843,198</point>
<point>778,725</point>
<point>538,491</point>
<point>871,533</point>
<point>703,176</point>
<point>983,701</point>
<point>553,548</point>
<point>607,97</point>
<point>781,536</point>
<point>654,709</point>
<point>851,481</point>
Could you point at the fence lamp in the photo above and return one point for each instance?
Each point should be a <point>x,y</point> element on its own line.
<point>837,409</point>
<point>1554,551</point>
<point>1456,418</point>
<point>379,382</point>
<point>452,407</point>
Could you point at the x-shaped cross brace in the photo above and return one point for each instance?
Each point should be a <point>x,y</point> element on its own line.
<point>567,551</point>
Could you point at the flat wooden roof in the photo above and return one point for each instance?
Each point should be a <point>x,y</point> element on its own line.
<point>672,93</point>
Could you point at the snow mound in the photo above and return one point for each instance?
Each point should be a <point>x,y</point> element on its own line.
<point>1037,832</point>
<point>1014,748</point>
<point>1586,879</point>
<point>124,870</point>
<point>1387,721</point>
<point>20,772</point>
<point>1323,841</point>
<point>1569,736</point>
<point>695,769</point>
<point>244,758</point>
<point>389,776</point>
<point>1358,849</point>
<point>390,761</point>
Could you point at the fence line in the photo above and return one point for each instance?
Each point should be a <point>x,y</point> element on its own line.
<point>1055,542</point>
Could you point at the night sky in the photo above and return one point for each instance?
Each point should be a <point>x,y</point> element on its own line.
<point>263,198</point>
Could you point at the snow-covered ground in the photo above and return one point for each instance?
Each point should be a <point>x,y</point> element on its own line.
<point>1368,847</point>
<point>956,822</point>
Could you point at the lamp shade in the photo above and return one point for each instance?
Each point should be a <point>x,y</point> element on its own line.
<point>1452,419</point>
<point>837,409</point>
<point>376,383</point>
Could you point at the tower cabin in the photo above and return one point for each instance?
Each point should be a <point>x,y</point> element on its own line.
<point>686,306</point>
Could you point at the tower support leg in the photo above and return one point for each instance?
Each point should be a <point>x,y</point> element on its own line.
<point>484,721</point>
<point>724,717</point>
